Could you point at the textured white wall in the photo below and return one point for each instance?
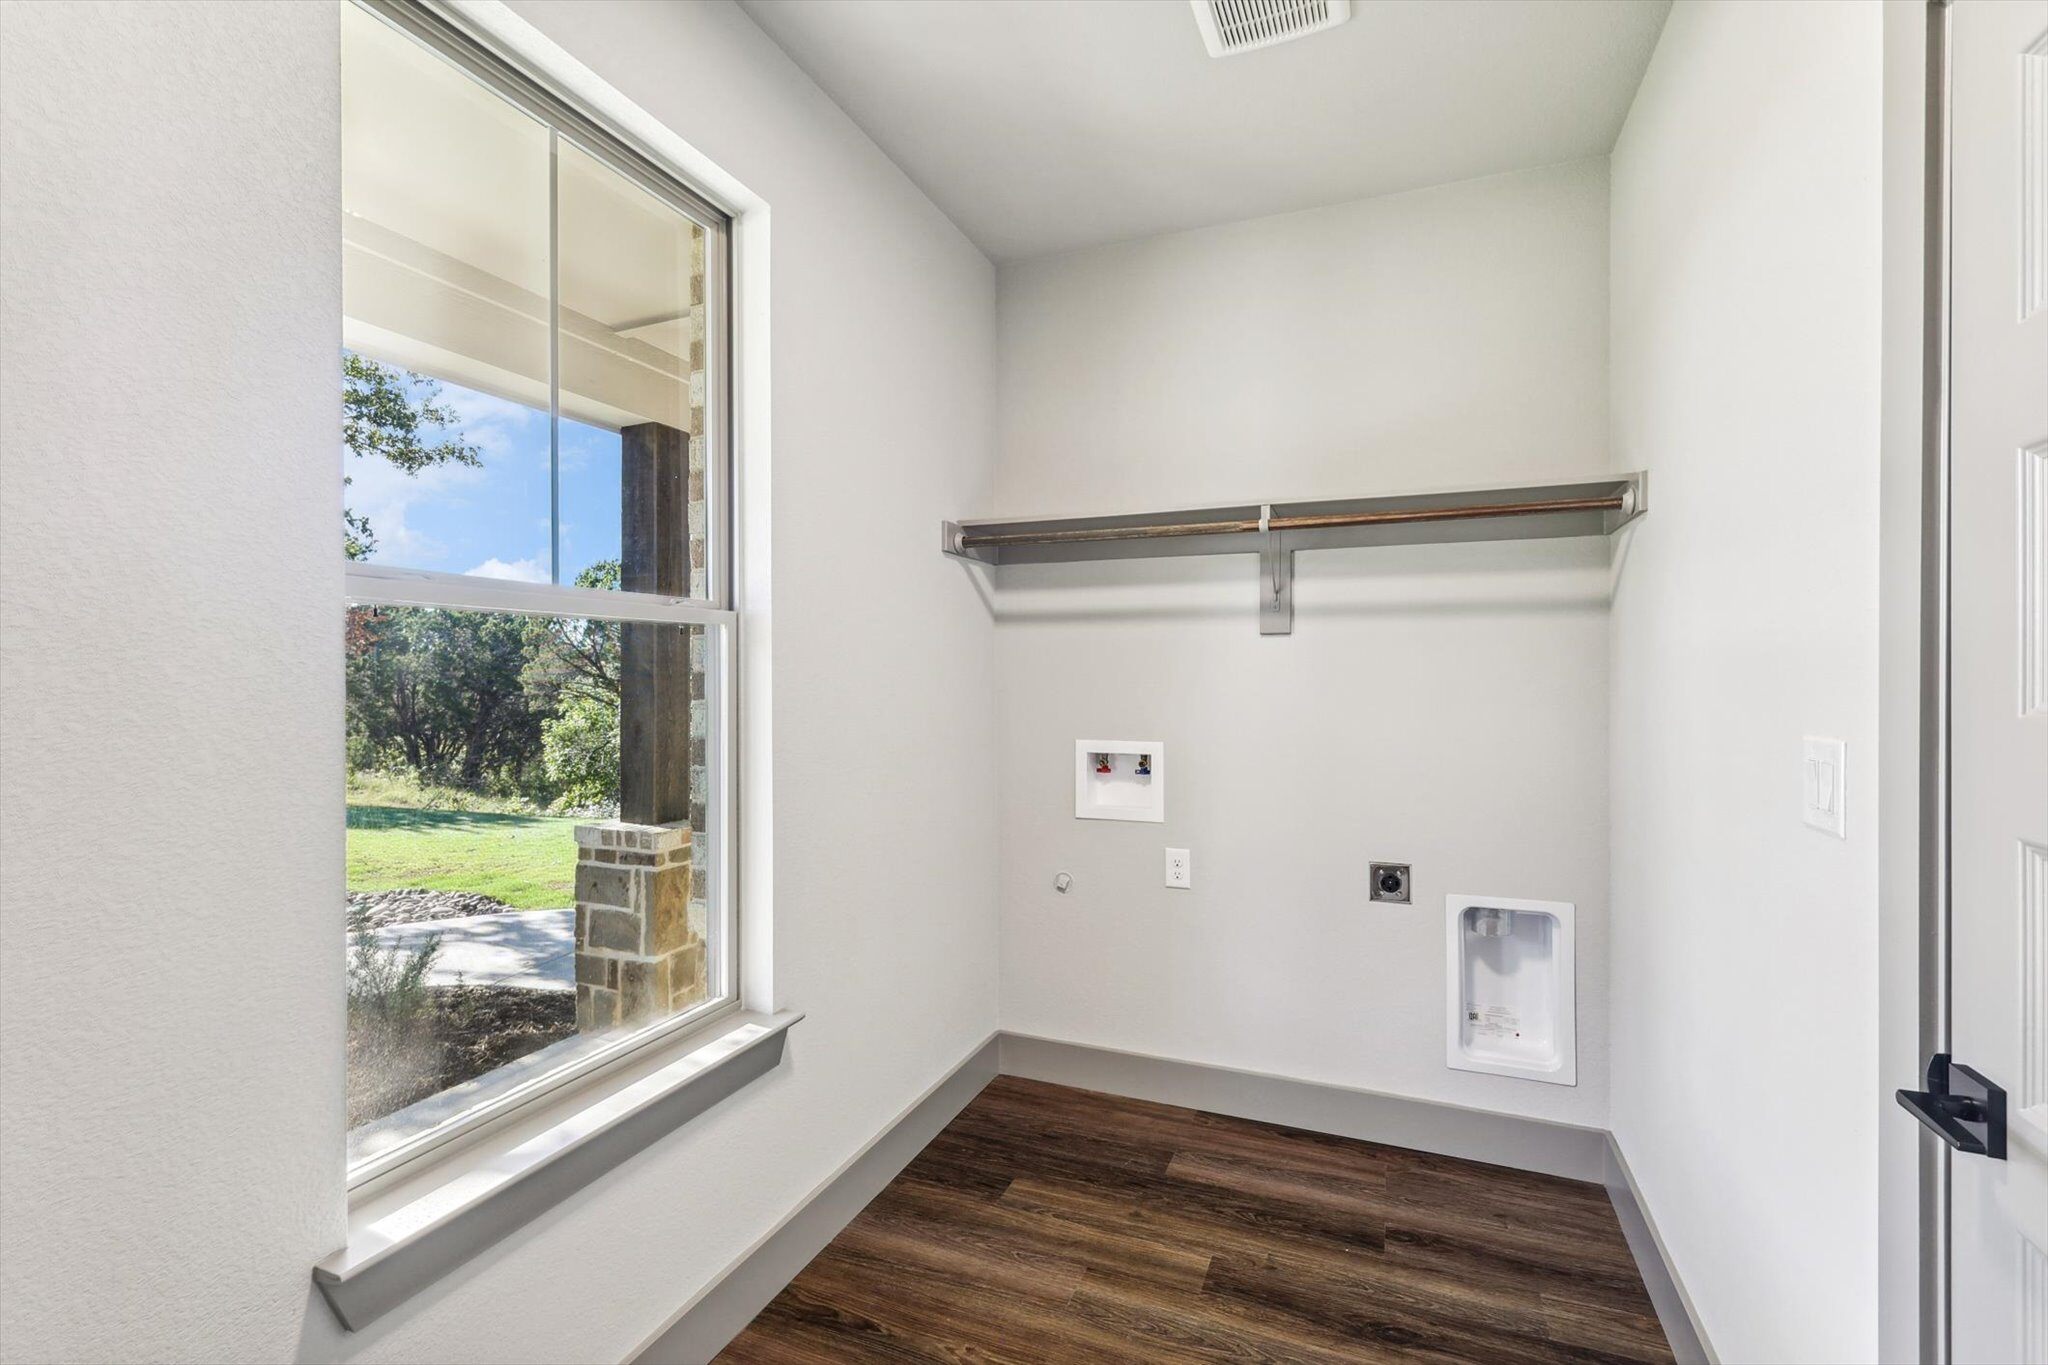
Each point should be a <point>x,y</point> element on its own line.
<point>170,678</point>
<point>170,985</point>
<point>1746,231</point>
<point>1444,705</point>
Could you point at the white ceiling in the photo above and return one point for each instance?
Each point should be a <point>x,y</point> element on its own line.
<point>1047,125</point>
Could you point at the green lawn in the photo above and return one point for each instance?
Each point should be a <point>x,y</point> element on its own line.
<point>526,861</point>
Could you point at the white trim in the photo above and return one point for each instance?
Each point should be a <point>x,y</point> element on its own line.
<point>721,1310</point>
<point>366,1178</point>
<point>721,774</point>
<point>386,586</point>
<point>424,1227</point>
<point>519,42</point>
<point>1675,1312</point>
<point>1473,1134</point>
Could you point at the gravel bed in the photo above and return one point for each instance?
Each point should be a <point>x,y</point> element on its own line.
<point>381,909</point>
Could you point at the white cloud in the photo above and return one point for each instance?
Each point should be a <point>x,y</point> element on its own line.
<point>382,492</point>
<point>502,430</point>
<point>529,570</point>
<point>456,498</point>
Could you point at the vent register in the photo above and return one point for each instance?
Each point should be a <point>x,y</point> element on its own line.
<point>1232,26</point>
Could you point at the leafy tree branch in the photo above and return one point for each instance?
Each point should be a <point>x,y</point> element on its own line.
<point>392,413</point>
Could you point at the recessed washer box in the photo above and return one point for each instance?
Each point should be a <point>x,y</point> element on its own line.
<point>1120,779</point>
<point>1511,997</point>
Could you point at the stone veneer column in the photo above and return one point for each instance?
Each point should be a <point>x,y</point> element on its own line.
<point>637,959</point>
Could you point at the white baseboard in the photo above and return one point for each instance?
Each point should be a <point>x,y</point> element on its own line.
<point>1675,1313</point>
<point>702,1328</point>
<point>1420,1125</point>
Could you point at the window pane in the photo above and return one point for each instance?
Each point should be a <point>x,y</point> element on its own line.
<point>445,287</point>
<point>633,367</point>
<point>503,920</point>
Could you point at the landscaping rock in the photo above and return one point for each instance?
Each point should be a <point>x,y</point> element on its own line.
<point>380,909</point>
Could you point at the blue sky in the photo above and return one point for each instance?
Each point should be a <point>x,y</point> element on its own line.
<point>493,520</point>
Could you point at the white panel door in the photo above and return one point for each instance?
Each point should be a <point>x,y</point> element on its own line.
<point>1999,662</point>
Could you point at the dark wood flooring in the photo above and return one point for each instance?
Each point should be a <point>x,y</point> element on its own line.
<point>1049,1224</point>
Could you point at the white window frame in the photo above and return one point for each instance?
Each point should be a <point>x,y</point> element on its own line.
<point>375,584</point>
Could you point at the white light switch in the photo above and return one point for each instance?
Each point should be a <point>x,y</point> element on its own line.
<point>1824,785</point>
<point>1180,869</point>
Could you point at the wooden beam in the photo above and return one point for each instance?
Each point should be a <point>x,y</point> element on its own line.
<point>654,683</point>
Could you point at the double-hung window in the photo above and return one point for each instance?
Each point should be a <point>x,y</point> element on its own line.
<point>536,517</point>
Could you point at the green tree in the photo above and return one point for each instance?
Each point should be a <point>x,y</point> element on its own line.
<point>572,675</point>
<point>575,656</point>
<point>443,692</point>
<point>392,414</point>
<point>580,751</point>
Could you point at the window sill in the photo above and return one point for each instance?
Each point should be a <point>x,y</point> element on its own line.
<point>410,1234</point>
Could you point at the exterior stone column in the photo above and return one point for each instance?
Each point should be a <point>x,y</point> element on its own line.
<point>637,958</point>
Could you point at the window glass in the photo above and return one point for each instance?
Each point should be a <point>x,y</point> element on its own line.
<point>497,906</point>
<point>535,806</point>
<point>445,301</point>
<point>633,346</point>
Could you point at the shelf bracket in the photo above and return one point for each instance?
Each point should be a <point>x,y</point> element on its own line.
<point>1276,580</point>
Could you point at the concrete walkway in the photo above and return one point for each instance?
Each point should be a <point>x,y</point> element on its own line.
<point>531,949</point>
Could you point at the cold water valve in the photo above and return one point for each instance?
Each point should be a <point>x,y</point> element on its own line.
<point>1120,779</point>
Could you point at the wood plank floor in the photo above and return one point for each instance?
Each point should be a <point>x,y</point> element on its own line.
<point>1049,1224</point>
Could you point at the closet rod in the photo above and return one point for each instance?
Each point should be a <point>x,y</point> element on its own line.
<point>1621,501</point>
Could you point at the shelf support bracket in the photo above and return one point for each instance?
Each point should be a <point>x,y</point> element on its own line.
<point>1276,580</point>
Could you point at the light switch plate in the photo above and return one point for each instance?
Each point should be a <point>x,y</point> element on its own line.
<point>1823,785</point>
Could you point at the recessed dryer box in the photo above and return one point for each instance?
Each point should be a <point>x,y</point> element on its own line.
<point>1120,779</point>
<point>1512,998</point>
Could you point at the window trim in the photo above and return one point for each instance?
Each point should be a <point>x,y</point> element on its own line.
<point>424,1223</point>
<point>443,30</point>
<point>388,585</point>
<point>375,1174</point>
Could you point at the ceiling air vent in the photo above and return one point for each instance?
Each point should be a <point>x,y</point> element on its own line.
<point>1230,26</point>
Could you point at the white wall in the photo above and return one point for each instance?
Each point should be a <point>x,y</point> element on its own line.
<point>1746,310</point>
<point>170,985</point>
<point>1443,705</point>
<point>170,678</point>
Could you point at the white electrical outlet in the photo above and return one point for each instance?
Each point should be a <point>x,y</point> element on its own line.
<point>1180,869</point>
